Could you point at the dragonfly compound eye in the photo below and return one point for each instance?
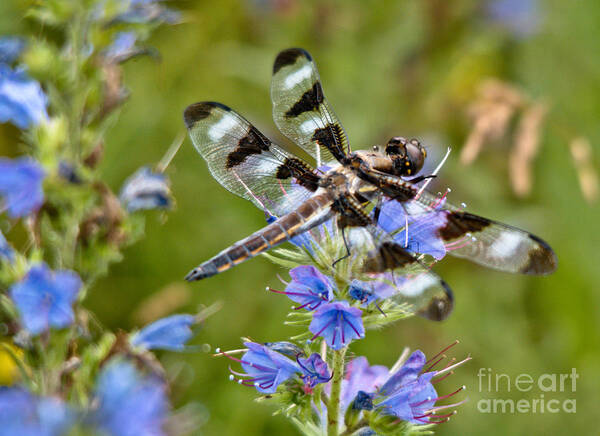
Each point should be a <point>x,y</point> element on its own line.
<point>396,147</point>
<point>408,156</point>
<point>415,155</point>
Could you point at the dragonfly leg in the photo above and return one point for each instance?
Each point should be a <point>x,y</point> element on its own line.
<point>377,210</point>
<point>346,245</point>
<point>421,178</point>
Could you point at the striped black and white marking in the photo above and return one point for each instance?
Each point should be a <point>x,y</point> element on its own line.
<point>346,190</point>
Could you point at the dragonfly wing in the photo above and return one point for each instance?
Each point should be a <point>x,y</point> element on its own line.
<point>246,162</point>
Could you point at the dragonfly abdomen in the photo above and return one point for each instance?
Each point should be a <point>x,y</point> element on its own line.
<point>309,214</point>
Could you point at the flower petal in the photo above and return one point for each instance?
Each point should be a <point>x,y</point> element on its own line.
<point>170,333</point>
<point>21,185</point>
<point>338,323</point>
<point>22,100</point>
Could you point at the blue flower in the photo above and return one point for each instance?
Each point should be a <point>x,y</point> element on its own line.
<point>123,44</point>
<point>363,401</point>
<point>21,186</point>
<point>284,347</point>
<point>361,377</point>
<point>124,48</point>
<point>409,395</point>
<point>338,323</point>
<point>44,298</point>
<point>6,251</point>
<point>10,48</point>
<point>23,414</point>
<point>265,368</point>
<point>423,228</point>
<point>146,190</point>
<point>407,373</point>
<point>22,100</point>
<point>68,172</point>
<point>365,431</point>
<point>130,404</point>
<point>309,287</point>
<point>170,333</point>
<point>371,291</point>
<point>314,370</point>
<point>521,17</point>
<point>146,11</point>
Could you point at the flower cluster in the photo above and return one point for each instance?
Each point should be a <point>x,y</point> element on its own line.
<point>75,377</point>
<point>370,397</point>
<point>69,374</point>
<point>22,100</point>
<point>407,393</point>
<point>44,298</point>
<point>336,303</point>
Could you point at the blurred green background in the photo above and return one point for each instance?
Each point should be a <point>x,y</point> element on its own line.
<point>411,68</point>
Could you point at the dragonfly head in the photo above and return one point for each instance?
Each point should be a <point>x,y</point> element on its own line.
<point>408,156</point>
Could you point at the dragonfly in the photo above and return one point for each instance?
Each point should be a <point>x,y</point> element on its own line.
<point>358,191</point>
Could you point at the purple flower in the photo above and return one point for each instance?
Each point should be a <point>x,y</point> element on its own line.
<point>520,17</point>
<point>303,240</point>
<point>130,404</point>
<point>146,190</point>
<point>309,287</point>
<point>6,251</point>
<point>422,230</point>
<point>44,298</point>
<point>265,368</point>
<point>407,373</point>
<point>21,185</point>
<point>284,347</point>
<point>170,333</point>
<point>24,414</point>
<point>22,100</point>
<point>124,48</point>
<point>409,394</point>
<point>314,370</point>
<point>359,376</point>
<point>338,323</point>
<point>363,401</point>
<point>10,48</point>
<point>147,11</point>
<point>123,44</point>
<point>371,291</point>
<point>365,431</point>
<point>68,172</point>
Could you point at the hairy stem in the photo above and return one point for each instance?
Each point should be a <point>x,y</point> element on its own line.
<point>362,423</point>
<point>333,408</point>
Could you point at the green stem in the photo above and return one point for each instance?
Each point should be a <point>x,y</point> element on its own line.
<point>362,423</point>
<point>333,408</point>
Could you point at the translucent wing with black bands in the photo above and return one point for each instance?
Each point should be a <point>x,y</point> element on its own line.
<point>462,234</point>
<point>301,110</point>
<point>246,162</point>
<point>408,280</point>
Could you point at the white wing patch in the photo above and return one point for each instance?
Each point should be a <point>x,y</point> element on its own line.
<point>309,127</point>
<point>507,244</point>
<point>266,166</point>
<point>297,77</point>
<point>418,285</point>
<point>225,124</point>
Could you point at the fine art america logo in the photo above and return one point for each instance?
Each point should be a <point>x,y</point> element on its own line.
<point>545,393</point>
